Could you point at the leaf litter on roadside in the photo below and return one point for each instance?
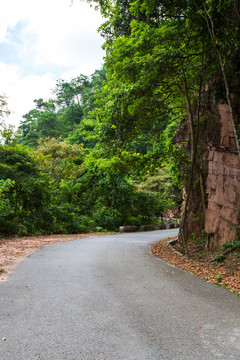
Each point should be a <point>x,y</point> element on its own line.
<point>218,274</point>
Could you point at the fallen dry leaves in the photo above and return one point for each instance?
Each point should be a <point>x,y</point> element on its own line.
<point>15,250</point>
<point>218,274</point>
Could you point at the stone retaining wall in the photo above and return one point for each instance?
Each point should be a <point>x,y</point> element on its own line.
<point>123,229</point>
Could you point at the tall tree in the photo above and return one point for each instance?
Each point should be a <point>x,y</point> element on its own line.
<point>29,192</point>
<point>160,62</point>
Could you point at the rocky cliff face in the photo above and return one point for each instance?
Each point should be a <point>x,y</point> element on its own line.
<point>222,182</point>
<point>214,201</point>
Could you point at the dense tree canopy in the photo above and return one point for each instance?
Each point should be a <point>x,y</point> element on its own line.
<point>109,150</point>
<point>163,59</point>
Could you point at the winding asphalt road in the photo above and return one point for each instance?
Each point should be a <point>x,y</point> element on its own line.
<point>108,298</point>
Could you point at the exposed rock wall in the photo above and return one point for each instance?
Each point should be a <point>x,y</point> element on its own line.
<point>223,182</point>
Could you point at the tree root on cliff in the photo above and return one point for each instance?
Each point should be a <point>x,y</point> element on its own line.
<point>223,255</point>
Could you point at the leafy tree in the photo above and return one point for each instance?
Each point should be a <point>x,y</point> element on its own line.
<point>118,147</point>
<point>59,158</point>
<point>224,34</point>
<point>55,117</point>
<point>106,194</point>
<point>39,122</point>
<point>160,59</point>
<point>86,132</point>
<point>29,192</point>
<point>5,206</point>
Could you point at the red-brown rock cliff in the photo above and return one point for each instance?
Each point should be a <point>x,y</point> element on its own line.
<point>223,183</point>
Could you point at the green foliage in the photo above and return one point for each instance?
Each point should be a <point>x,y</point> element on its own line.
<point>59,158</point>
<point>105,149</point>
<point>218,278</point>
<point>30,192</point>
<point>220,258</point>
<point>66,115</point>
<point>106,195</point>
<point>232,244</point>
<point>5,206</point>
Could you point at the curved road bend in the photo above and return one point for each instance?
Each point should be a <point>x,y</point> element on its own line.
<point>108,298</point>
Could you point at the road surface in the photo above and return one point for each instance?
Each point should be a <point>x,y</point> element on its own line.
<point>109,298</point>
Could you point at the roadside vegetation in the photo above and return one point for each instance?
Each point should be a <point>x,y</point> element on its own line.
<point>122,146</point>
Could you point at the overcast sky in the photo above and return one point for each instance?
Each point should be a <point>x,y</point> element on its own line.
<point>42,41</point>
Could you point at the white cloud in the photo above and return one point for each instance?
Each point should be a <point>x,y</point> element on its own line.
<point>65,34</point>
<point>47,40</point>
<point>34,87</point>
<point>8,74</point>
<point>55,32</point>
<point>11,12</point>
<point>21,91</point>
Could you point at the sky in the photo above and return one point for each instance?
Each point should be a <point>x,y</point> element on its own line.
<point>42,41</point>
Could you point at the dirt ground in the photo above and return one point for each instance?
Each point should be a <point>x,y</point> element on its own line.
<point>227,274</point>
<point>14,250</point>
